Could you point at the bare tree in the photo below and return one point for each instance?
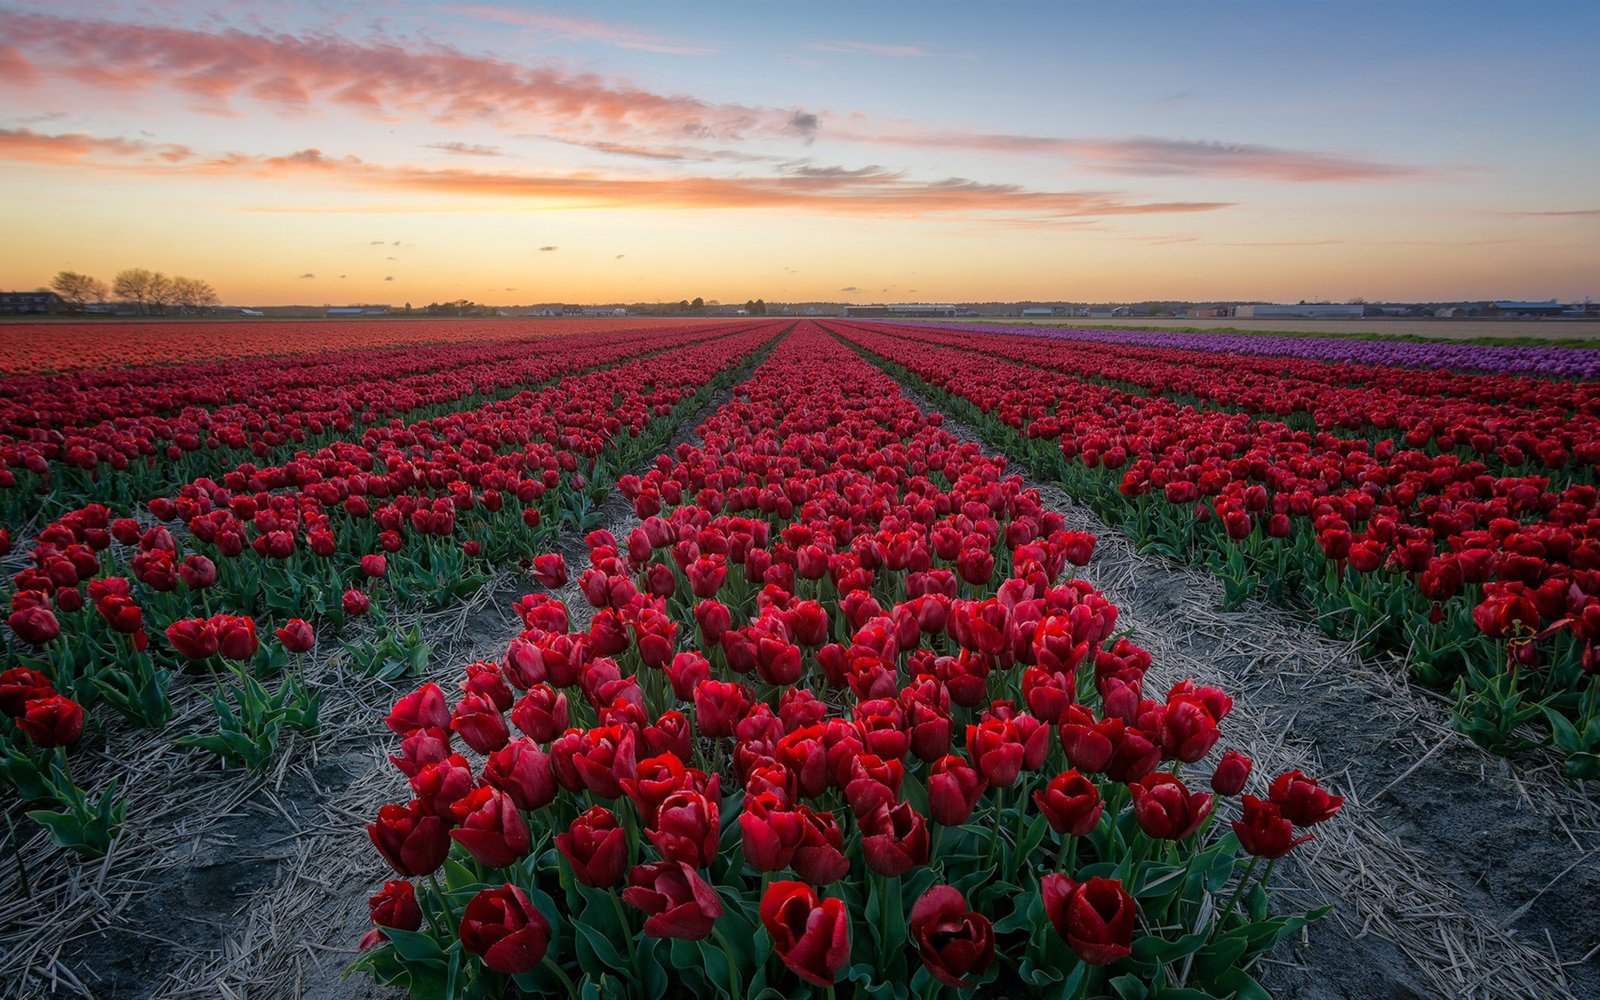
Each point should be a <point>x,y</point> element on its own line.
<point>78,289</point>
<point>133,285</point>
<point>193,294</point>
<point>160,293</point>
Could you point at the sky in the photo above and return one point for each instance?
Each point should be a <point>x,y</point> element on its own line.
<point>506,152</point>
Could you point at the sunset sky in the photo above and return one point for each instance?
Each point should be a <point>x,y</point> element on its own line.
<point>333,152</point>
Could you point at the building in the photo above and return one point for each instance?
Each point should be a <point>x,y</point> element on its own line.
<point>1551,308</point>
<point>903,310</point>
<point>1305,310</point>
<point>357,311</point>
<point>13,303</point>
<point>1209,312</point>
<point>1036,312</point>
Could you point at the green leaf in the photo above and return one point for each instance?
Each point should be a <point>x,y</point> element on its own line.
<point>415,946</point>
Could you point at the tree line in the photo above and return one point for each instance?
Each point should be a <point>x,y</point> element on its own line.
<point>148,291</point>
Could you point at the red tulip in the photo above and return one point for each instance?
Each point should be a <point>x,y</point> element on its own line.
<point>412,840</point>
<point>820,857</point>
<point>1264,832</point>
<point>480,723</point>
<point>374,564</point>
<point>52,721</point>
<point>687,828</point>
<point>1165,808</point>
<point>996,750</point>
<point>1095,918</point>
<point>894,841</point>
<point>953,940</point>
<point>1231,773</point>
<point>491,828</point>
<point>194,638</point>
<point>395,906</point>
<point>1303,800</point>
<point>424,708</point>
<point>35,626</point>
<point>954,787</point>
<point>1071,803</point>
<point>550,570</point>
<point>810,934</point>
<point>679,903</point>
<point>770,833</point>
<point>236,636</point>
<point>296,636</point>
<point>505,929</point>
<point>356,603</point>
<point>522,771</point>
<point>596,847</point>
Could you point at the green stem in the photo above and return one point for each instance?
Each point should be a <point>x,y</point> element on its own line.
<point>733,967</point>
<point>566,980</point>
<point>627,932</point>
<point>1243,882</point>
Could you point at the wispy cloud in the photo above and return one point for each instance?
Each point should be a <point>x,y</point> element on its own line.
<point>548,249</point>
<point>871,49</point>
<point>1159,157</point>
<point>568,26</point>
<point>1561,213</point>
<point>465,148</point>
<point>868,191</point>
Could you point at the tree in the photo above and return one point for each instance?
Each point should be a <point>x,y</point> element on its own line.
<point>193,294</point>
<point>160,293</point>
<point>78,289</point>
<point>133,285</point>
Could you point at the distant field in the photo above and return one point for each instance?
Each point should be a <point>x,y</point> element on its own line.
<point>1512,329</point>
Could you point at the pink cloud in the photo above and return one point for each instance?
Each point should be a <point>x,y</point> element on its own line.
<point>379,79</point>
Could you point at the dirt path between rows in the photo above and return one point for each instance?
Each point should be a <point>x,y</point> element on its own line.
<point>1452,873</point>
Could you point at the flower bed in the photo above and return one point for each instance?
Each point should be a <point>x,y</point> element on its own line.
<point>1490,584</point>
<point>840,719</point>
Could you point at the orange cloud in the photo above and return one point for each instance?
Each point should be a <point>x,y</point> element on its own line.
<point>868,191</point>
<point>73,147</point>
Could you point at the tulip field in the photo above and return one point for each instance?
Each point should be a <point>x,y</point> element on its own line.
<point>767,658</point>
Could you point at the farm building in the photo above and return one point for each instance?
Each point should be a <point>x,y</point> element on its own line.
<point>1551,308</point>
<point>903,310</point>
<point>1305,310</point>
<point>31,302</point>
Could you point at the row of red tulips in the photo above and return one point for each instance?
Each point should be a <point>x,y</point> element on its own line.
<point>424,510</point>
<point>53,348</point>
<point>1514,423</point>
<point>122,435</point>
<point>837,718</point>
<point>1490,583</point>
